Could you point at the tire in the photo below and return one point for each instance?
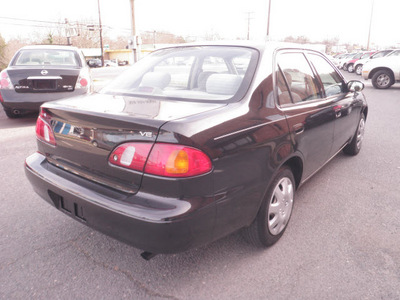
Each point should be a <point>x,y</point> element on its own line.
<point>382,79</point>
<point>356,142</point>
<point>358,69</point>
<point>275,211</point>
<point>350,68</point>
<point>344,67</point>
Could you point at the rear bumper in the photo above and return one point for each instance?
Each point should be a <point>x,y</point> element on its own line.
<point>169,227</point>
<point>32,101</point>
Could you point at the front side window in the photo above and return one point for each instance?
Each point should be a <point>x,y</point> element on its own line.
<point>395,53</point>
<point>47,57</point>
<point>331,80</point>
<point>204,73</point>
<point>380,54</point>
<point>301,82</point>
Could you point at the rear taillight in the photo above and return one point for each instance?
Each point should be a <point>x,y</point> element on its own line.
<point>5,82</point>
<point>167,160</point>
<point>44,132</point>
<point>83,80</point>
<point>130,155</point>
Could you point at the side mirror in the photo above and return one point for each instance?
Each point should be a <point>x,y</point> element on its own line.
<point>355,86</point>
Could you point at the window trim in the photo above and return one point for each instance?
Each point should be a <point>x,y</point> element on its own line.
<point>305,52</point>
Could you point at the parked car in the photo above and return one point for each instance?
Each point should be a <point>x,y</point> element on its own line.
<point>334,60</point>
<point>122,62</point>
<point>350,64</point>
<point>94,63</point>
<point>384,71</point>
<point>345,58</point>
<point>172,156</point>
<point>37,74</point>
<point>359,64</point>
<point>110,63</point>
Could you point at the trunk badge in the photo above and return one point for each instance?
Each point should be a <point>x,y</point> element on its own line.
<point>44,72</point>
<point>148,134</point>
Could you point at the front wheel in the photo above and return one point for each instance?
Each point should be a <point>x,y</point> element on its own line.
<point>355,145</point>
<point>382,79</point>
<point>350,68</point>
<point>275,211</point>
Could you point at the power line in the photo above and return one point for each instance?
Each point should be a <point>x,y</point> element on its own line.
<point>54,24</point>
<point>27,25</point>
<point>30,20</point>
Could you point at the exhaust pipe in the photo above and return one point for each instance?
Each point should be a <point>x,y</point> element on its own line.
<point>147,255</point>
<point>16,112</point>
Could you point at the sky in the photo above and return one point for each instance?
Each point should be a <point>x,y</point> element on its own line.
<point>347,20</point>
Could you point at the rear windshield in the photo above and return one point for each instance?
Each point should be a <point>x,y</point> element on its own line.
<point>47,57</point>
<point>207,73</point>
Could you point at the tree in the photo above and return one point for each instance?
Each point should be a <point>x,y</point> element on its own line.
<point>3,58</point>
<point>298,39</point>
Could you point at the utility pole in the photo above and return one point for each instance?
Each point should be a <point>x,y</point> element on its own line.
<point>68,32</point>
<point>370,23</point>
<point>269,16</point>
<point>101,35</point>
<point>135,58</point>
<point>249,17</point>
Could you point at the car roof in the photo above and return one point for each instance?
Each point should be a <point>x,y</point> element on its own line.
<point>46,47</point>
<point>260,45</point>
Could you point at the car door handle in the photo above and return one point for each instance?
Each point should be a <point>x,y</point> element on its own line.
<point>298,128</point>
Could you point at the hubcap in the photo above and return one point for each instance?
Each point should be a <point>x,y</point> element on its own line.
<point>383,80</point>
<point>280,206</point>
<point>360,133</point>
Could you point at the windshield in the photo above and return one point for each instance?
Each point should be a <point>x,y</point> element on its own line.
<point>206,73</point>
<point>366,55</point>
<point>394,53</point>
<point>46,57</point>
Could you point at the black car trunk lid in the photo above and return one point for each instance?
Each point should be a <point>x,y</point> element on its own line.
<point>88,129</point>
<point>39,79</point>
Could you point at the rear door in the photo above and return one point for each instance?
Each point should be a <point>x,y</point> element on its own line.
<point>309,115</point>
<point>346,106</point>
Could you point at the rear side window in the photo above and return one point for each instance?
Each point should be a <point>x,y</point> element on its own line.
<point>46,57</point>
<point>330,79</point>
<point>298,76</point>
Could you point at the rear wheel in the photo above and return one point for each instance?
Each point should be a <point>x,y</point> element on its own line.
<point>350,68</point>
<point>355,145</point>
<point>274,214</point>
<point>382,79</point>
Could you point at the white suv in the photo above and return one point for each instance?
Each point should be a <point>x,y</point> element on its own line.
<point>384,71</point>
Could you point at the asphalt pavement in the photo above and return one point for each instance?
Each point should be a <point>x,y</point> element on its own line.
<point>343,241</point>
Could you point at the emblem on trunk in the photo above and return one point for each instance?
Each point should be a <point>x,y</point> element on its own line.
<point>44,72</point>
<point>148,134</point>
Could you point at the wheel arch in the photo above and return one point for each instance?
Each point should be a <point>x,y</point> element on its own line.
<point>295,163</point>
<point>372,73</point>
<point>365,112</point>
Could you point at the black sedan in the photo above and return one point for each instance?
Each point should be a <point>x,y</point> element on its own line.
<point>37,74</point>
<point>196,142</point>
